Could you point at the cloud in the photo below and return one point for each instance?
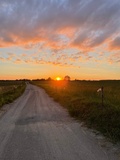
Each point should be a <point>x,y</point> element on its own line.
<point>115,44</point>
<point>59,25</point>
<point>114,58</point>
<point>61,60</point>
<point>2,59</point>
<point>18,61</point>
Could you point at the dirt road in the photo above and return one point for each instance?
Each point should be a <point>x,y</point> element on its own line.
<point>37,128</point>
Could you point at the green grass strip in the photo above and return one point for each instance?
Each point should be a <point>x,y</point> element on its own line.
<point>11,95</point>
<point>83,102</point>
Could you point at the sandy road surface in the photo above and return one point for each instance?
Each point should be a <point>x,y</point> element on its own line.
<point>37,128</point>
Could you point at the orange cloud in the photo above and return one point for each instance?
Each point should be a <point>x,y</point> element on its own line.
<point>114,58</point>
<point>18,61</point>
<point>59,25</point>
<point>55,29</point>
<point>2,59</point>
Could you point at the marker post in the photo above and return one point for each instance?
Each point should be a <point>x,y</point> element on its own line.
<point>102,95</point>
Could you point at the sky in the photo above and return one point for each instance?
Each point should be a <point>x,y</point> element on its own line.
<point>50,38</point>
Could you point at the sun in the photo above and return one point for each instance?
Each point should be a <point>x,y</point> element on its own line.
<point>58,78</point>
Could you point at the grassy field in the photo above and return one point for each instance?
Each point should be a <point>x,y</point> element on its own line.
<point>10,90</point>
<point>84,103</point>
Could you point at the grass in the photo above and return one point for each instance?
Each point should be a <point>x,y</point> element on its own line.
<point>9,91</point>
<point>84,103</point>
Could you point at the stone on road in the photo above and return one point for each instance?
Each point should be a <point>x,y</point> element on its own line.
<point>37,128</point>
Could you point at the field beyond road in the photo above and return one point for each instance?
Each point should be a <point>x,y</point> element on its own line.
<point>10,90</point>
<point>84,103</point>
<point>37,128</point>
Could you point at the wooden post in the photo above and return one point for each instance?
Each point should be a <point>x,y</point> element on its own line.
<point>102,95</point>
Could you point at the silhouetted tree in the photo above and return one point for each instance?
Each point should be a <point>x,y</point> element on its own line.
<point>67,78</point>
<point>49,79</point>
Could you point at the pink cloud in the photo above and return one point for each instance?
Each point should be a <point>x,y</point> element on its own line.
<point>115,44</point>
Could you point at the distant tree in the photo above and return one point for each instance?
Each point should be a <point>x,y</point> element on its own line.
<point>42,79</point>
<point>49,79</point>
<point>67,78</point>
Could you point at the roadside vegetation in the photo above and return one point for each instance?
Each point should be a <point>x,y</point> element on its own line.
<point>10,90</point>
<point>85,104</point>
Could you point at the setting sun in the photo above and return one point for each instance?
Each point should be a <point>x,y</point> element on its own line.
<point>58,78</point>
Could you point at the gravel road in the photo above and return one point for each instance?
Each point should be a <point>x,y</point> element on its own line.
<point>37,128</point>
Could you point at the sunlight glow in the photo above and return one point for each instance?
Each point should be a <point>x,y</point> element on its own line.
<point>58,78</point>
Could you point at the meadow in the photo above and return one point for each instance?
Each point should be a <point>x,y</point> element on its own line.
<point>10,90</point>
<point>85,104</point>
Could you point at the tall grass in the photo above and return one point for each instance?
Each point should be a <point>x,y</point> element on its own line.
<point>9,91</point>
<point>84,103</point>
